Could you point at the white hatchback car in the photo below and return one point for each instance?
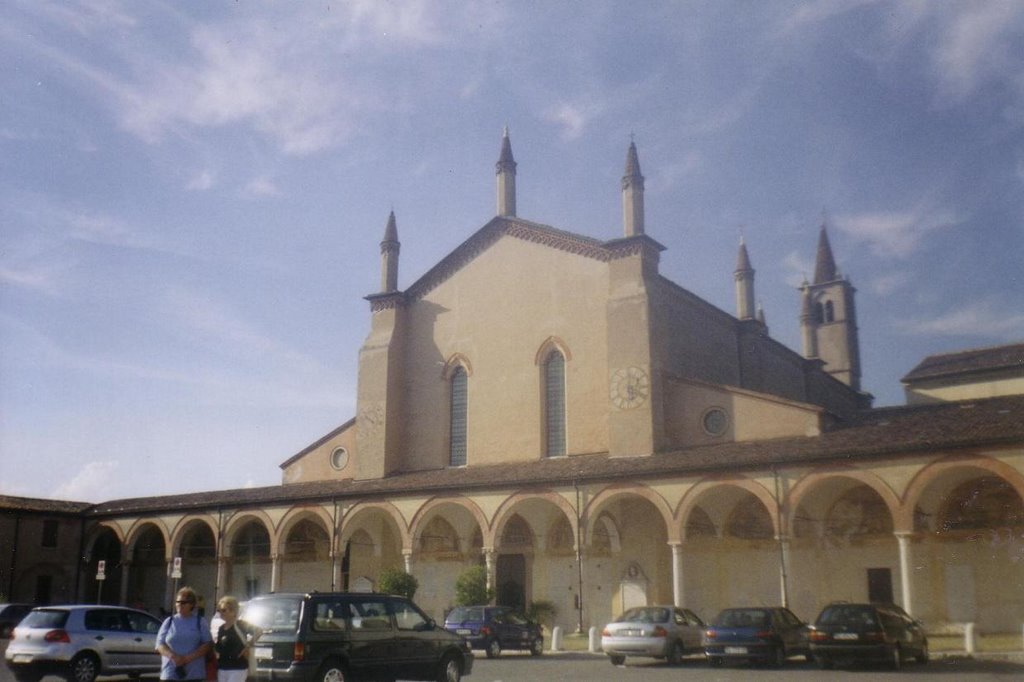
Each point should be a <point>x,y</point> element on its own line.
<point>81,642</point>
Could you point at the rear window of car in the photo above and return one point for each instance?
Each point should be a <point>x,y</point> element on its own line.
<point>645,615</point>
<point>46,618</point>
<point>848,615</point>
<point>280,614</point>
<point>743,618</point>
<point>461,614</point>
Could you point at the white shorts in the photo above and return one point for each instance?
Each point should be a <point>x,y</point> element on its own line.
<point>232,675</point>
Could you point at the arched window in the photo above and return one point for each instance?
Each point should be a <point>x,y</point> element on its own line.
<point>830,313</point>
<point>459,404</point>
<point>554,404</point>
<point>819,313</point>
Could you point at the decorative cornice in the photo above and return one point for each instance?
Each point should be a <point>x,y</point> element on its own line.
<point>386,301</point>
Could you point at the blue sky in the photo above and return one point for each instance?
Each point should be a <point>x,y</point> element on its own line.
<point>192,195</point>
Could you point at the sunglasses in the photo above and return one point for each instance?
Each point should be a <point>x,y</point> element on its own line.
<point>184,601</point>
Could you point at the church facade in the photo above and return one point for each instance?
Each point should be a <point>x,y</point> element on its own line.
<point>551,407</point>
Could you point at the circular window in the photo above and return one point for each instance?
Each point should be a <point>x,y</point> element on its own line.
<point>715,421</point>
<point>339,458</point>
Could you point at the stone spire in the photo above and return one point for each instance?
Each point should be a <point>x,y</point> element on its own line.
<point>633,194</point>
<point>825,264</point>
<point>506,171</point>
<point>389,249</point>
<point>744,276</point>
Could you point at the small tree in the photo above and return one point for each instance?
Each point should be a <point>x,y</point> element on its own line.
<point>395,581</point>
<point>471,587</point>
<point>542,612</point>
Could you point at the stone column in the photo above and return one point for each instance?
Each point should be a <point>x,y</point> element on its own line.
<point>221,586</point>
<point>407,560</point>
<point>490,563</point>
<point>903,541</point>
<point>169,589</point>
<point>783,541</point>
<point>125,570</point>
<point>275,572</point>
<point>677,572</point>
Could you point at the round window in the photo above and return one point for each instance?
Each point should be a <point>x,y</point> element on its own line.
<point>715,421</point>
<point>339,458</point>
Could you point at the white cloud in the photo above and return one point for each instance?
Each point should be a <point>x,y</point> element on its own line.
<point>981,42</point>
<point>262,187</point>
<point>38,279</point>
<point>886,284</point>
<point>572,117</point>
<point>798,267</point>
<point>201,181</point>
<point>895,234</point>
<point>91,483</point>
<point>982,318</point>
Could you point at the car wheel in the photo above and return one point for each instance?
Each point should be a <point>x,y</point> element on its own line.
<point>84,668</point>
<point>493,649</point>
<point>779,656</point>
<point>923,656</point>
<point>715,661</point>
<point>537,647</point>
<point>896,658</point>
<point>449,670</point>
<point>332,671</point>
<point>675,654</point>
<point>617,660</point>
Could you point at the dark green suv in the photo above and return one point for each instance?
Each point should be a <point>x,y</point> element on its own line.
<point>341,636</point>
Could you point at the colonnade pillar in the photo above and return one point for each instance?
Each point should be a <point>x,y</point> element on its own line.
<point>491,571</point>
<point>903,541</point>
<point>677,573</point>
<point>407,560</point>
<point>275,572</point>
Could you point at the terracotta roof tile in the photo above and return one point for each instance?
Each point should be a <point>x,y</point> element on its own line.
<point>968,361</point>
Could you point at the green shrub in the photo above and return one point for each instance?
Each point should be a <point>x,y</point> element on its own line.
<point>542,612</point>
<point>471,587</point>
<point>395,581</point>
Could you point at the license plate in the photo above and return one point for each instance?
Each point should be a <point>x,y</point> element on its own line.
<point>632,633</point>
<point>735,649</point>
<point>464,631</point>
<point>264,652</point>
<point>22,658</point>
<point>845,635</point>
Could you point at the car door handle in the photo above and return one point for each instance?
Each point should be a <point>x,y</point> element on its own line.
<point>99,638</point>
<point>138,639</point>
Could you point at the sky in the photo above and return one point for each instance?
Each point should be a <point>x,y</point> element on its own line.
<point>192,195</point>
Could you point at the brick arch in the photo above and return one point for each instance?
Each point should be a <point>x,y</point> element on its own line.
<point>596,505</point>
<point>179,530</point>
<point>454,361</point>
<point>551,343</point>
<point>694,494</point>
<point>931,473</point>
<point>294,515</point>
<point>422,515</point>
<point>389,510</point>
<point>508,508</point>
<point>136,530</point>
<point>242,519</point>
<point>808,483</point>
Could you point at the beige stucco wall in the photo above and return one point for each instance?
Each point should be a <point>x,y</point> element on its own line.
<point>925,392</point>
<point>315,465</point>
<point>497,316</point>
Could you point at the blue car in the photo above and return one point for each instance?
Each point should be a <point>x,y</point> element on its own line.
<point>765,635</point>
<point>494,628</point>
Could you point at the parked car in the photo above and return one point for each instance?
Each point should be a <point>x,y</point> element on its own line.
<point>667,632</point>
<point>11,615</point>
<point>335,636</point>
<point>81,642</point>
<point>848,633</point>
<point>756,634</point>
<point>493,628</point>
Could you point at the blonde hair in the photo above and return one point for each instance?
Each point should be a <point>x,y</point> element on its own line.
<point>228,602</point>
<point>188,594</point>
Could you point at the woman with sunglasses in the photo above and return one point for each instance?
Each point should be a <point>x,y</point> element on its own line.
<point>233,643</point>
<point>183,641</point>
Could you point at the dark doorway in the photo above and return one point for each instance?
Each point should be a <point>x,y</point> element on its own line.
<point>511,579</point>
<point>880,585</point>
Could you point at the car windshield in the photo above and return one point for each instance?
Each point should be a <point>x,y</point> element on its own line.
<point>274,614</point>
<point>848,615</point>
<point>645,614</point>
<point>45,618</point>
<point>743,618</point>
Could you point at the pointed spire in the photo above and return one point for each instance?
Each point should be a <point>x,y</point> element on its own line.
<point>633,194</point>
<point>761,316</point>
<point>824,264</point>
<point>744,276</point>
<point>389,249</point>
<point>743,259</point>
<point>506,172</point>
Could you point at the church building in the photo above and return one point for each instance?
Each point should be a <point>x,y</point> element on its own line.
<point>550,406</point>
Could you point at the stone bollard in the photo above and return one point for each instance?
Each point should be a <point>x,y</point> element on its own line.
<point>556,638</point>
<point>595,640</point>
<point>970,638</point>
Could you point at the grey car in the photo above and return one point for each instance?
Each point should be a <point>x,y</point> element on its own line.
<point>668,632</point>
<point>82,641</point>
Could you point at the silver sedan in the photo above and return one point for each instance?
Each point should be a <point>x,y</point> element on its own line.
<point>668,632</point>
